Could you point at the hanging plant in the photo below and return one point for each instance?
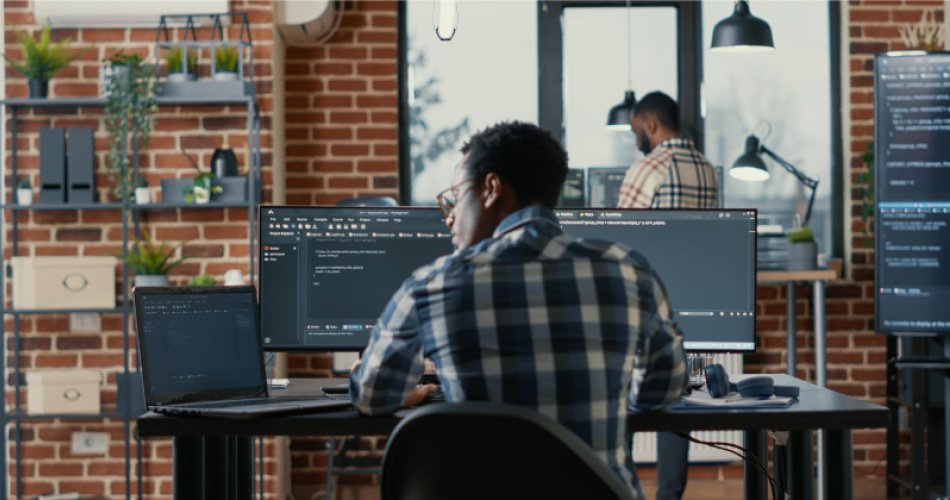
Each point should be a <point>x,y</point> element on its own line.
<point>130,90</point>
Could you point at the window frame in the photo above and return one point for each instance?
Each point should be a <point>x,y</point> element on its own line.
<point>690,52</point>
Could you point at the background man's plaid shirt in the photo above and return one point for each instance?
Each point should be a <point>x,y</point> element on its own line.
<point>673,175</point>
<point>536,318</point>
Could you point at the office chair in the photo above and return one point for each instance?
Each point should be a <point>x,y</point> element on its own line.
<point>491,450</point>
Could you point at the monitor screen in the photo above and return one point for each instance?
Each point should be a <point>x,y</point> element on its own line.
<point>327,273</point>
<point>912,220</point>
<point>603,186</point>
<point>572,192</point>
<point>705,258</point>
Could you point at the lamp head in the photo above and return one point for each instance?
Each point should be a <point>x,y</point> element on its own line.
<point>750,167</point>
<point>618,118</point>
<point>742,32</point>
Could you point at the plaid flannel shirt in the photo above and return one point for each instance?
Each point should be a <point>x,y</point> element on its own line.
<point>535,318</point>
<point>673,175</point>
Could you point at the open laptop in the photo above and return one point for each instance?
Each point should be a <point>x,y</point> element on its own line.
<point>200,354</point>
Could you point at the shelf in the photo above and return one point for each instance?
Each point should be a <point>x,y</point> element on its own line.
<point>171,206</point>
<point>67,416</point>
<point>99,101</point>
<point>117,310</point>
<point>64,206</point>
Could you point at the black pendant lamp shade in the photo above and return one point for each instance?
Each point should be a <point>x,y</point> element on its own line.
<point>619,116</point>
<point>742,32</point>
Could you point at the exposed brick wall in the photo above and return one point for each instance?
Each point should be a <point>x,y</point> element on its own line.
<point>214,240</point>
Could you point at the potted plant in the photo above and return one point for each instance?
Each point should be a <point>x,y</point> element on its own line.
<point>151,262</point>
<point>174,63</point>
<point>802,249</point>
<point>24,192</point>
<point>203,279</point>
<point>225,64</point>
<point>130,90</point>
<point>142,194</point>
<point>41,58</point>
<point>202,190</point>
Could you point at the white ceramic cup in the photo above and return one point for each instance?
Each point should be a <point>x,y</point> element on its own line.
<point>233,277</point>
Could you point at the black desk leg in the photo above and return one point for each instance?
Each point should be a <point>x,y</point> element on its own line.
<point>213,468</point>
<point>756,484</point>
<point>800,465</point>
<point>839,464</point>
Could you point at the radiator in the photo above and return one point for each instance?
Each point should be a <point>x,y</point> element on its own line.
<point>644,446</point>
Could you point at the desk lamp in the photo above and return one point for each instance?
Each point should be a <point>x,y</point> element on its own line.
<point>750,167</point>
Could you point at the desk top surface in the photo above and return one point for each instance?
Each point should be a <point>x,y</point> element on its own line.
<point>816,408</point>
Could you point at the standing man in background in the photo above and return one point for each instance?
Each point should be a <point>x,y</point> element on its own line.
<point>673,174</point>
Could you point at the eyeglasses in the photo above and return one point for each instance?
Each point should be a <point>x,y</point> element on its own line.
<point>449,198</point>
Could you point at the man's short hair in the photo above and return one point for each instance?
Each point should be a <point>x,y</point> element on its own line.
<point>662,107</point>
<point>526,157</point>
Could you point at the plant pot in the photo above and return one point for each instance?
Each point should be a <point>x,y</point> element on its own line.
<point>802,256</point>
<point>143,196</point>
<point>24,196</point>
<point>121,72</point>
<point>202,195</point>
<point>38,88</point>
<point>225,76</point>
<point>151,280</point>
<point>181,77</point>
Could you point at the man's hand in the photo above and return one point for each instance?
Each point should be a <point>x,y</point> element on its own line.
<point>419,395</point>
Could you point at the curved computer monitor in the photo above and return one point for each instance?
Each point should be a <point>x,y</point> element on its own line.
<point>326,273</point>
<point>705,258</point>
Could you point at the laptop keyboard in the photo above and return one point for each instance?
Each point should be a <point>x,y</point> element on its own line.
<point>250,402</point>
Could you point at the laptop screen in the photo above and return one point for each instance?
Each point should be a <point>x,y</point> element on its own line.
<point>198,343</point>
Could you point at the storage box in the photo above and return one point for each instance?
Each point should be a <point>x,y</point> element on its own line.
<point>63,391</point>
<point>63,282</point>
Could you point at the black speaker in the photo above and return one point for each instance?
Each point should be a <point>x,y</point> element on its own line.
<point>80,172</point>
<point>52,165</point>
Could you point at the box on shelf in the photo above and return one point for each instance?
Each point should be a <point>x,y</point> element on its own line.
<point>63,282</point>
<point>63,391</point>
<point>208,89</point>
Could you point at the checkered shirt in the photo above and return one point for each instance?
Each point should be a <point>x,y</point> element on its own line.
<point>535,318</point>
<point>673,175</point>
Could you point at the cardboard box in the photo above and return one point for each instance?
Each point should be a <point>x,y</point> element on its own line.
<point>63,282</point>
<point>63,391</point>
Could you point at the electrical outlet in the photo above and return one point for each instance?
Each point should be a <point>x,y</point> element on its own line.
<point>85,322</point>
<point>90,443</point>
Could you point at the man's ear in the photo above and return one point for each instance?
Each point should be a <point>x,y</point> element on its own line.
<point>492,189</point>
<point>651,124</point>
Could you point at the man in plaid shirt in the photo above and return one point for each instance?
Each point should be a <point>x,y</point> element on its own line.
<point>673,174</point>
<point>522,313</point>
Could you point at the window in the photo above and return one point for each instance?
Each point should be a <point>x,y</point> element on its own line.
<point>592,85</point>
<point>487,73</point>
<point>789,90</point>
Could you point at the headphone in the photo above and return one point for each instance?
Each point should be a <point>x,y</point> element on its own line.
<point>761,387</point>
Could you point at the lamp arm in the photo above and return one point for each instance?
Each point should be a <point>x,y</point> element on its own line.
<point>809,182</point>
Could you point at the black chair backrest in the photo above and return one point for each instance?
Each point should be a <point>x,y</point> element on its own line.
<point>368,201</point>
<point>463,451</point>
